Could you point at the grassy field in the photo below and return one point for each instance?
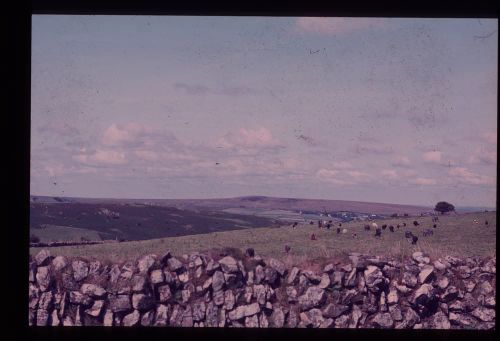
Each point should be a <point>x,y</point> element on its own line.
<point>455,235</point>
<point>56,233</point>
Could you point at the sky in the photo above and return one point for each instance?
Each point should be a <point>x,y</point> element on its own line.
<point>368,109</point>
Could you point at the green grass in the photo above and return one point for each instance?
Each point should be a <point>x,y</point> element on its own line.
<point>455,235</point>
<point>64,233</point>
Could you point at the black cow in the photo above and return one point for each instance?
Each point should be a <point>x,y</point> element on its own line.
<point>434,226</point>
<point>414,240</point>
<point>391,228</point>
<point>486,222</point>
<point>287,248</point>
<point>384,226</point>
<point>338,230</point>
<point>250,252</point>
<point>408,234</point>
<point>313,237</point>
<point>311,223</point>
<point>428,233</point>
<point>397,225</point>
<point>415,223</point>
<point>378,233</point>
<point>340,224</point>
<point>320,224</point>
<point>295,224</point>
<point>367,227</point>
<point>404,224</point>
<point>328,225</point>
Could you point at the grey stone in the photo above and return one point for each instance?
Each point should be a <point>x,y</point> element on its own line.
<point>278,266</point>
<point>212,266</point>
<point>42,317</point>
<point>46,301</point>
<point>96,309</point>
<point>142,302</point>
<point>426,274</point>
<point>174,264</point>
<point>59,263</point>
<point>392,296</point>
<point>229,264</point>
<point>440,321</point>
<point>373,277</point>
<point>383,320</point>
<point>292,276</point>
<point>313,297</point>
<point>277,319</point>
<point>93,290</point>
<point>484,314</point>
<point>218,298</point>
<point>485,288</point>
<point>252,321</point>
<point>395,312</point>
<point>335,310</point>
<point>312,318</point>
<point>139,283</point>
<point>77,297</point>
<point>270,275</point>
<point>409,280</point>
<point>218,281</point>
<point>342,321</point>
<point>164,293</point>
<point>131,319</point>
<point>450,294</point>
<point>80,270</point>
<point>291,293</point>
<point>120,303</point>
<point>325,281</point>
<point>43,278</point>
<point>199,309</point>
<point>43,258</point>
<point>443,283</point>
<point>161,316</point>
<point>336,279</point>
<point>157,277</point>
<point>229,300</point>
<point>329,268</point>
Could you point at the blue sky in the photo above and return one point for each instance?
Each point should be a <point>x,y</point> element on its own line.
<point>369,109</point>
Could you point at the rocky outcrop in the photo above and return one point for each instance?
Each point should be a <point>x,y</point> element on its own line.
<point>196,291</point>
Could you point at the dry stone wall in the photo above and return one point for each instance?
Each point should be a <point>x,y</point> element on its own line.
<point>197,291</point>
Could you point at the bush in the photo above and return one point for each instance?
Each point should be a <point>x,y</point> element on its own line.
<point>444,207</point>
<point>395,215</point>
<point>34,238</point>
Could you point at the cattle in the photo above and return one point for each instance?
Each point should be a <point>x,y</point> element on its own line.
<point>378,233</point>
<point>354,235</point>
<point>434,226</point>
<point>486,222</point>
<point>250,252</point>
<point>344,231</point>
<point>338,230</point>
<point>340,224</point>
<point>295,224</point>
<point>404,224</point>
<point>311,223</point>
<point>408,234</point>
<point>384,226</point>
<point>411,237</point>
<point>374,225</point>
<point>287,249</point>
<point>397,225</point>
<point>328,225</point>
<point>313,237</point>
<point>415,223</point>
<point>428,233</point>
<point>391,228</point>
<point>414,240</point>
<point>367,227</point>
<point>330,221</point>
<point>320,224</point>
<point>435,219</point>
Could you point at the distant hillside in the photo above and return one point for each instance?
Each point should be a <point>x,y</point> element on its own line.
<point>272,203</point>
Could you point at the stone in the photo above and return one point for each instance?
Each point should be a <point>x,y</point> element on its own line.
<point>218,281</point>
<point>325,281</point>
<point>335,310</point>
<point>395,312</point>
<point>439,265</point>
<point>350,281</point>
<point>259,274</point>
<point>212,266</point>
<point>373,277</point>
<point>336,279</point>
<point>43,258</point>
<point>244,311</point>
<point>293,319</point>
<point>157,277</point>
<point>252,321</point>
<point>199,309</point>
<point>120,303</point>
<point>164,293</point>
<point>263,321</point>
<point>392,297</point>
<point>42,317</point>
<point>443,283</point>
<point>211,315</point>
<point>469,285</point>
<point>409,280</point>
<point>131,319</point>
<point>457,306</point>
<point>231,280</point>
<point>411,318</point>
<point>80,270</point>
<point>440,321</point>
<point>229,264</point>
<point>77,297</point>
<point>464,271</point>
<point>142,302</point>
<point>292,276</point>
<point>186,295</point>
<point>270,275</point>
<point>218,298</point>
<point>291,293</point>
<point>462,320</point>
<point>329,268</point>
<point>93,290</point>
<point>278,266</point>
<point>161,316</point>
<point>138,283</point>
<point>145,263</point>
<point>229,300</point>
<point>259,292</point>
<point>277,319</point>
<point>342,321</point>
<point>355,317</point>
<point>313,297</point>
<point>94,267</point>
<point>184,277</point>
<point>43,278</point>
<point>46,301</point>
<point>426,274</point>
<point>96,309</point>
<point>312,318</point>
<point>54,319</point>
<point>174,264</point>
<point>383,320</point>
<point>485,288</point>
<point>450,294</point>
<point>59,263</point>
<point>489,302</point>
<point>484,314</point>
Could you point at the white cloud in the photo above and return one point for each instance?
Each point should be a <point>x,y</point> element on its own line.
<point>390,173</point>
<point>357,174</point>
<point>102,157</point>
<point>147,155</point>
<point>248,138</point>
<point>424,181</point>
<point>464,175</point>
<point>342,165</point>
<point>432,156</point>
<point>339,25</point>
<point>401,161</point>
<point>490,137</point>
<point>119,134</point>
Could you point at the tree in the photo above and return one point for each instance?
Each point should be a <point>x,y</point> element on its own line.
<point>444,207</point>
<point>34,239</point>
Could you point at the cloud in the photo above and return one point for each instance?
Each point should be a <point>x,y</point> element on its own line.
<point>373,149</point>
<point>248,138</point>
<point>327,173</point>
<point>390,173</point>
<point>464,175</point>
<point>198,89</point>
<point>357,174</point>
<point>326,25</point>
<point>192,89</point>
<point>147,155</point>
<point>484,156</point>
<point>401,161</point>
<point>423,181</point>
<point>432,156</point>
<point>102,157</point>
<point>121,134</point>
